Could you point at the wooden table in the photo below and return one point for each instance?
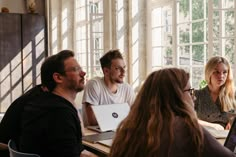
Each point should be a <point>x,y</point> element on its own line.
<point>99,149</point>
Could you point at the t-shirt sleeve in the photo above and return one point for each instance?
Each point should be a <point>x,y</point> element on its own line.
<point>91,93</point>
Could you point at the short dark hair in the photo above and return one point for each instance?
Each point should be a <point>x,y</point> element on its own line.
<point>52,64</point>
<point>107,58</point>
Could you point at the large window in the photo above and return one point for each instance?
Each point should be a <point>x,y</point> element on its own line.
<point>186,33</point>
<point>89,35</point>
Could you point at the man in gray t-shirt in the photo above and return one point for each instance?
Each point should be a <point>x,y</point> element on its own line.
<point>110,89</point>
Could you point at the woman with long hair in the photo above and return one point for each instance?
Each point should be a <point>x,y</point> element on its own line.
<point>217,98</point>
<point>162,122</point>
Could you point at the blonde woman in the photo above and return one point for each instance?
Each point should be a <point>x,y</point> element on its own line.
<point>217,98</point>
<point>162,122</point>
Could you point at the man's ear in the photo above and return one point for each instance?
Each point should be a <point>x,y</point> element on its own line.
<point>57,77</point>
<point>105,70</point>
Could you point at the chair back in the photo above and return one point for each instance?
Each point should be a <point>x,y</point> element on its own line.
<point>15,153</point>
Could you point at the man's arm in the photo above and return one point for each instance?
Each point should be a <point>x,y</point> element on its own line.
<point>90,115</point>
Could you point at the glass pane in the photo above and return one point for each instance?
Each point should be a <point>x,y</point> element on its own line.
<point>206,30</point>
<point>229,23</point>
<point>198,31</point>
<point>184,33</point>
<point>216,24</point>
<point>156,57</point>
<point>184,11</point>
<point>197,76</point>
<point>167,15</point>
<point>156,17</point>
<point>198,55</point>
<point>216,48</point>
<point>156,37</point>
<point>227,3</point>
<point>168,56</point>
<point>184,55</point>
<point>216,4</point>
<point>229,50</point>
<point>197,9</point>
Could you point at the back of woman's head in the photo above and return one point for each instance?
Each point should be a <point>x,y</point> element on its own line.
<point>158,102</point>
<point>163,90</point>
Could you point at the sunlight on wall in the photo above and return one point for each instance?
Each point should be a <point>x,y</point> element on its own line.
<point>135,54</point>
<point>27,58</point>
<point>54,36</point>
<point>39,41</point>
<point>16,69</point>
<point>5,80</point>
<point>64,21</point>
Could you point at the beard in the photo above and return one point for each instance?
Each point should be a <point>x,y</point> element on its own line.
<point>119,80</point>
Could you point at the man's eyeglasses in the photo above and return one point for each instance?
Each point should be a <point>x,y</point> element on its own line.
<point>190,90</point>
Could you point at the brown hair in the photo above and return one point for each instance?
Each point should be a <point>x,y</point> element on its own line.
<point>156,105</point>
<point>107,58</point>
<point>52,64</point>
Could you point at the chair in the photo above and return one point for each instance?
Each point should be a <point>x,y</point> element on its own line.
<point>15,153</point>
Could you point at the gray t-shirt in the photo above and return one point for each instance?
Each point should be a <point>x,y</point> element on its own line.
<point>97,93</point>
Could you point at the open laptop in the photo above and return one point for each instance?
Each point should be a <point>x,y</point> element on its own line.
<point>230,141</point>
<point>109,116</point>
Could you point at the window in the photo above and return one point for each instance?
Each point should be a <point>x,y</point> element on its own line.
<point>201,29</point>
<point>89,35</point>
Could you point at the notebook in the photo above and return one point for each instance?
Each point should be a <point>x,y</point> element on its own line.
<point>99,137</point>
<point>230,141</point>
<point>107,142</point>
<point>218,134</point>
<point>109,116</point>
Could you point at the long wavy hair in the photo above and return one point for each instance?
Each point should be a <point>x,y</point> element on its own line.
<point>226,95</point>
<point>158,102</point>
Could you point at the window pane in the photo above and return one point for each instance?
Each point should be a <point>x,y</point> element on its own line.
<point>184,55</point>
<point>229,50</point>
<point>198,31</point>
<point>229,23</point>
<point>197,9</point>
<point>216,24</point>
<point>216,48</point>
<point>184,11</point>
<point>184,33</point>
<point>198,54</point>
<point>156,57</point>
<point>156,37</point>
<point>197,76</point>
<point>168,56</point>
<point>156,17</point>
<point>228,3</point>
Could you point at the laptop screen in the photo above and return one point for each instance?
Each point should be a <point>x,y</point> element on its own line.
<point>230,141</point>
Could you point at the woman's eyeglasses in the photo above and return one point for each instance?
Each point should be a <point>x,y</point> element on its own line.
<point>190,90</point>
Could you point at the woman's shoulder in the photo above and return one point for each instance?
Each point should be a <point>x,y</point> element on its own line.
<point>202,91</point>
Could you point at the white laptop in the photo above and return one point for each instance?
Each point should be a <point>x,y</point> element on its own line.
<point>109,116</point>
